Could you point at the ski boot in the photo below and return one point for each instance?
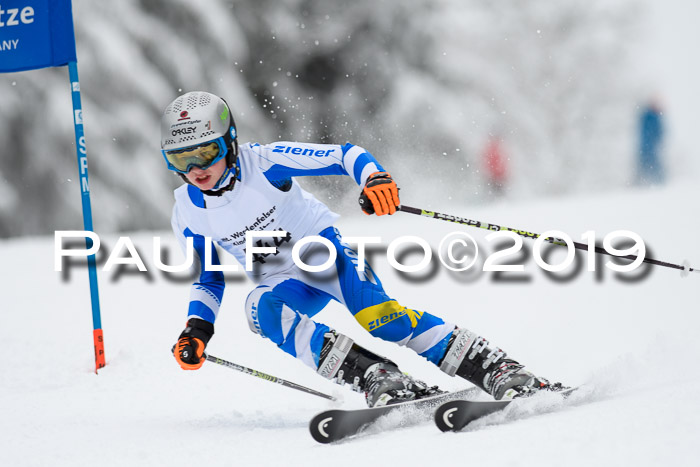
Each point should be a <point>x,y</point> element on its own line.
<point>470,357</point>
<point>380,379</point>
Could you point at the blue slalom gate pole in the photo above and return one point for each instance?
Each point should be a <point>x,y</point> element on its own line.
<point>39,34</point>
<point>87,212</point>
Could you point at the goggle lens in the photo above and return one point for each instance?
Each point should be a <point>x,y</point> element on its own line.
<point>202,156</point>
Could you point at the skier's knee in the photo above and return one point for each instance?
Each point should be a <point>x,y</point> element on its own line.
<point>269,316</point>
<point>253,303</point>
<point>389,320</point>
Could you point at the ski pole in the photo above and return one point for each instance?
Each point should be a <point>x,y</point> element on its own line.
<point>266,377</point>
<point>685,268</point>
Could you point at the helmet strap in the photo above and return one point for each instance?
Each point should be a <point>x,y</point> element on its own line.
<point>220,191</point>
<point>229,185</point>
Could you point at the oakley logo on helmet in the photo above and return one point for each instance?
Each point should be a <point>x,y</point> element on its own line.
<point>184,131</point>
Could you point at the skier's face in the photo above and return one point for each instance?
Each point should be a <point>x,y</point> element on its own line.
<point>205,179</point>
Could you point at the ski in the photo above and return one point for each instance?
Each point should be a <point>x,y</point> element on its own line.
<point>333,425</point>
<point>454,415</point>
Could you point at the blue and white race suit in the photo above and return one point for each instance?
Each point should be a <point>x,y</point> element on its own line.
<point>267,198</point>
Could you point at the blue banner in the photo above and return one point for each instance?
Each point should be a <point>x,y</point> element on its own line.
<point>35,34</point>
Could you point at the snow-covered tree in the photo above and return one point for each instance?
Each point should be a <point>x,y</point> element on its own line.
<point>421,84</point>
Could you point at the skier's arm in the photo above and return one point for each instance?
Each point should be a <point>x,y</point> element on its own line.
<point>283,160</point>
<point>205,300</point>
<point>208,290</point>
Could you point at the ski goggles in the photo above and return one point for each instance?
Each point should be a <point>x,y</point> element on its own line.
<point>201,156</point>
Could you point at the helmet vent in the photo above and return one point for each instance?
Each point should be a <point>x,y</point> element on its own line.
<point>175,106</point>
<point>192,101</point>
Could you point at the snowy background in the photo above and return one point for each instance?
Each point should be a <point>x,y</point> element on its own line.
<point>415,82</point>
<point>422,84</point>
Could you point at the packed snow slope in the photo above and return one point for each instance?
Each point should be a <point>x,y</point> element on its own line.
<point>632,343</point>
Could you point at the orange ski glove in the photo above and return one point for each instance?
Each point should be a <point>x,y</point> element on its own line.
<point>189,350</point>
<point>380,195</point>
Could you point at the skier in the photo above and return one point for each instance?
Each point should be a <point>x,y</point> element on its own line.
<point>231,189</point>
<point>651,133</point>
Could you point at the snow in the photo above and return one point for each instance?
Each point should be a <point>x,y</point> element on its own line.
<point>632,344</point>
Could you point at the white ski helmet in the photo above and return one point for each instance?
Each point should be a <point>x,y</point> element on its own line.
<point>195,120</point>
